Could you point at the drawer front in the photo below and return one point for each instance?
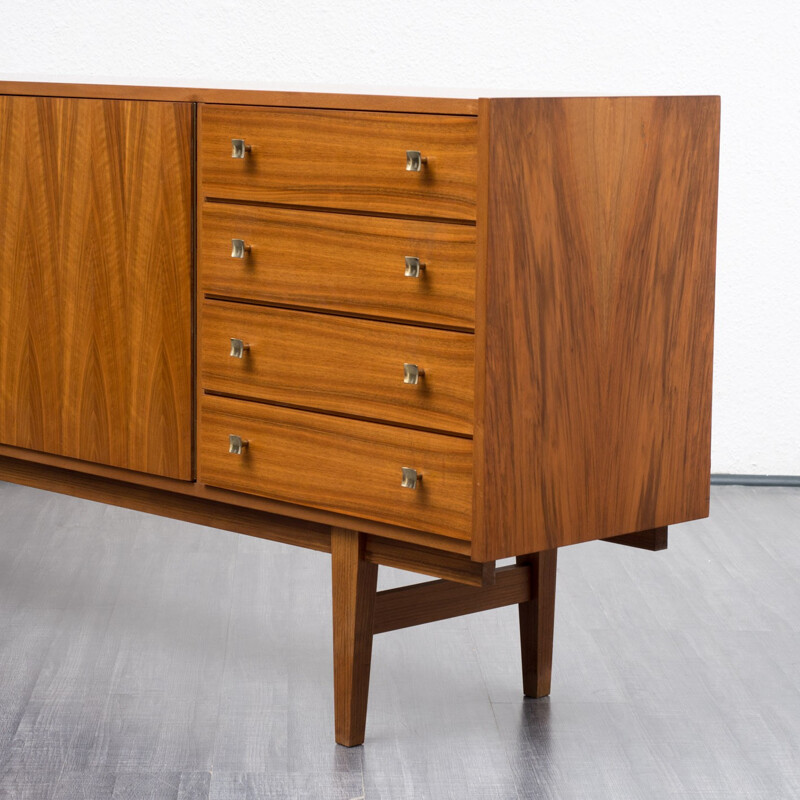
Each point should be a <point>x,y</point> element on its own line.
<point>341,159</point>
<point>337,464</point>
<point>348,366</point>
<point>343,262</point>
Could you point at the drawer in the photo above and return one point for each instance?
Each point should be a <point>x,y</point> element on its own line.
<point>341,159</point>
<point>348,366</point>
<point>338,464</point>
<point>345,262</point>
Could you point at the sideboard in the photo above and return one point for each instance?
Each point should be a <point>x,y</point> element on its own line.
<point>428,333</point>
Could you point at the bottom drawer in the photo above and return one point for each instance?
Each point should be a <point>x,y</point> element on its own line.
<point>343,465</point>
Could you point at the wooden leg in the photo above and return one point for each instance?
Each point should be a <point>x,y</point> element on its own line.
<point>536,623</point>
<point>355,584</point>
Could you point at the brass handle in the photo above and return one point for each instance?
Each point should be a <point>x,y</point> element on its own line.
<point>415,160</point>
<point>410,478</point>
<point>238,348</point>
<point>414,267</point>
<point>412,373</point>
<point>239,248</point>
<point>236,445</point>
<point>239,149</point>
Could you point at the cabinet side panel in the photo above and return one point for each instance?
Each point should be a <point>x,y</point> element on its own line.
<point>598,319</point>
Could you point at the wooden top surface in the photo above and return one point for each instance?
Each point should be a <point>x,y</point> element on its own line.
<point>335,98</point>
<point>260,97</point>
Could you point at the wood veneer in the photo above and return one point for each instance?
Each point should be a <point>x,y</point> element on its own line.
<point>346,366</point>
<point>339,464</point>
<point>95,284</point>
<point>341,159</point>
<point>597,232</point>
<point>348,263</point>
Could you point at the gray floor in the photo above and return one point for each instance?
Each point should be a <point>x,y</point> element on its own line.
<point>145,658</point>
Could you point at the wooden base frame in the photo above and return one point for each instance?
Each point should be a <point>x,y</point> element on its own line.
<point>360,611</point>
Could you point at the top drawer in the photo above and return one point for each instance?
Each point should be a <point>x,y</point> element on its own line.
<point>352,160</point>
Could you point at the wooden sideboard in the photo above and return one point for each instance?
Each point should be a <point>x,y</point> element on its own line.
<point>418,332</point>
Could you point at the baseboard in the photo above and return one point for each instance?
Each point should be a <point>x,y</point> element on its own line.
<point>723,479</point>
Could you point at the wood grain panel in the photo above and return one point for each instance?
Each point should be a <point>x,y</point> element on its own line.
<point>338,464</point>
<point>343,262</point>
<point>96,274</point>
<point>341,159</point>
<point>348,366</point>
<point>258,97</point>
<point>31,366</point>
<point>596,281</point>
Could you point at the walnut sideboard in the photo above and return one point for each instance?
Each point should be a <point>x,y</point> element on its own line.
<point>424,333</point>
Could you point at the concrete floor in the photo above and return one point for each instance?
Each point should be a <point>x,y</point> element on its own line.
<point>146,658</point>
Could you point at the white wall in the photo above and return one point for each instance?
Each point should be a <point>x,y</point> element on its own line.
<point>745,51</point>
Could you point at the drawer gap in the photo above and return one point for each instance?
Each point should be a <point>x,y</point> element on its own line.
<point>470,223</point>
<point>247,301</point>
<point>363,104</point>
<point>340,415</point>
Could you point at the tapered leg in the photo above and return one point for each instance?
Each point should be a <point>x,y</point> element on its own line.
<point>536,623</point>
<point>354,586</point>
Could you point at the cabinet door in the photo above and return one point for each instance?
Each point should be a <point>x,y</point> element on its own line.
<point>96,281</point>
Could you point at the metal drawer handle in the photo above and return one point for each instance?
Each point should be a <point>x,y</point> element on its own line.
<point>239,149</point>
<point>415,160</point>
<point>410,478</point>
<point>238,348</point>
<point>237,445</point>
<point>239,249</point>
<point>412,373</point>
<point>414,267</point>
